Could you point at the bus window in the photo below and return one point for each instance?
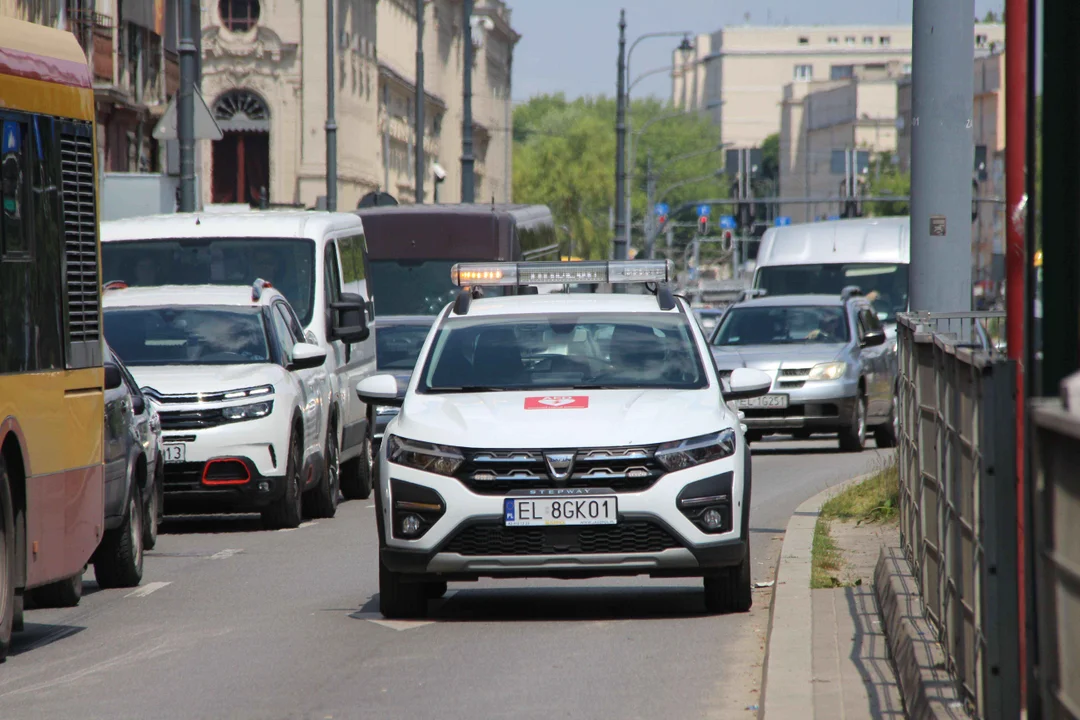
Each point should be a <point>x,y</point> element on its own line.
<point>14,169</point>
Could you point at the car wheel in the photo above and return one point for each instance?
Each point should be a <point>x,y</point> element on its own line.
<point>885,435</point>
<point>356,475</point>
<point>324,498</point>
<point>287,511</point>
<point>730,590</point>
<point>118,561</point>
<point>7,564</point>
<point>753,436</point>
<point>853,437</point>
<point>60,594</point>
<point>153,510</point>
<point>399,599</point>
<point>436,589</point>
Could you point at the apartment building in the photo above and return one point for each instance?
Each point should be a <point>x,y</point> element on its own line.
<point>739,74</point>
<point>265,79</point>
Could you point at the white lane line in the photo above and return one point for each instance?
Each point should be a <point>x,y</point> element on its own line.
<point>226,553</point>
<point>368,507</point>
<point>401,625</point>
<point>147,589</point>
<point>309,523</point>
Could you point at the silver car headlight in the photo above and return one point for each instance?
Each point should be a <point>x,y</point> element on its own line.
<point>439,459</point>
<point>250,411</point>
<point>828,371</point>
<point>681,454</point>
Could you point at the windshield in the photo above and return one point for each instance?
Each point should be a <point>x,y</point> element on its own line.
<point>287,264</point>
<point>187,335</point>
<point>586,351</point>
<point>414,287</point>
<point>885,285</point>
<point>783,326</point>
<point>397,347</point>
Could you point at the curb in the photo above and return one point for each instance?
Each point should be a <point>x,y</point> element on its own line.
<point>791,616</point>
<point>928,691</point>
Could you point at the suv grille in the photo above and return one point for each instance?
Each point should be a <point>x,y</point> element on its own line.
<point>622,469</point>
<point>792,378</point>
<point>183,476</point>
<point>628,537</point>
<point>191,419</point>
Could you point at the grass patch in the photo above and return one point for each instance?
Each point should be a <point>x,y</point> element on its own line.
<point>826,558</point>
<point>875,499</point>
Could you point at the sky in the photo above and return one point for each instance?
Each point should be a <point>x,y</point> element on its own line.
<point>572,46</point>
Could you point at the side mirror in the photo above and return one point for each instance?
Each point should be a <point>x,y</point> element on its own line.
<point>306,356</point>
<point>745,383</point>
<point>348,319</point>
<point>138,404</point>
<point>113,378</point>
<point>380,389</point>
<point>873,337</point>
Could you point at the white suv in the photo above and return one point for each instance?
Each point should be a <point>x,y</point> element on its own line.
<point>242,396</point>
<point>566,436</point>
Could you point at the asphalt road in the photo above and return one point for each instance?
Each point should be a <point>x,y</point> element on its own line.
<point>235,622</point>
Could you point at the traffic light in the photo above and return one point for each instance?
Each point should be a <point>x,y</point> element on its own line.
<point>660,220</point>
<point>703,224</point>
<point>728,240</point>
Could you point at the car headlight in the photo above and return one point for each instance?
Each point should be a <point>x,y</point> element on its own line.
<point>439,459</point>
<point>248,412</point>
<point>681,454</point>
<point>828,371</point>
<point>249,392</point>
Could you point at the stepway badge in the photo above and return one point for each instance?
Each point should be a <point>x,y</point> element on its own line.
<point>557,402</point>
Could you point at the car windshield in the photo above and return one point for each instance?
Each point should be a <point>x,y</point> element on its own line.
<point>563,351</point>
<point>414,287</point>
<point>397,345</point>
<point>783,326</point>
<point>187,335</point>
<point>884,285</point>
<point>287,263</point>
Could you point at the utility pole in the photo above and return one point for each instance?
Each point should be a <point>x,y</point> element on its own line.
<point>650,218</point>
<point>622,232</point>
<point>331,123</point>
<point>942,155</point>
<point>185,109</point>
<point>468,191</point>
<point>420,102</point>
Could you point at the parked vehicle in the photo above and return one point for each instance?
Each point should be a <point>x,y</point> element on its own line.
<point>398,341</point>
<point>825,257</point>
<point>244,399</point>
<point>317,260</point>
<point>831,368</point>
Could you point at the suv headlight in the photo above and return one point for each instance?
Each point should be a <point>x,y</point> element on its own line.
<point>249,411</point>
<point>681,454</point>
<point>828,371</point>
<point>439,459</point>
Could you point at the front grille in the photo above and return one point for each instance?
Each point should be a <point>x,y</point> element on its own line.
<point>183,476</point>
<point>191,419</point>
<point>80,245</point>
<point>794,372</point>
<point>209,397</point>
<point>622,469</point>
<point>638,536</point>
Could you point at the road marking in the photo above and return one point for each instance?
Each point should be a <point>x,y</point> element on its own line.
<point>226,553</point>
<point>398,625</point>
<point>368,507</point>
<point>147,589</point>
<point>309,523</point>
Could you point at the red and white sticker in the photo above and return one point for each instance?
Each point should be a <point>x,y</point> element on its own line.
<point>557,402</point>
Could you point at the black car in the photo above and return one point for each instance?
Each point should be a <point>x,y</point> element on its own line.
<point>398,340</point>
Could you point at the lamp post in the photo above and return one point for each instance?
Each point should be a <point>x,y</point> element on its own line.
<point>622,230</point>
<point>650,190</point>
<point>331,122</point>
<point>467,159</point>
<point>420,102</point>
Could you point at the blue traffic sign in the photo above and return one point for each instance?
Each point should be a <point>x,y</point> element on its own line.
<point>783,220</point>
<point>727,222</point>
<point>661,208</point>
<point>834,217</point>
<point>704,210</point>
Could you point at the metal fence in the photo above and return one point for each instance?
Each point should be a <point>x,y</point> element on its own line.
<point>1056,537</point>
<point>957,499</point>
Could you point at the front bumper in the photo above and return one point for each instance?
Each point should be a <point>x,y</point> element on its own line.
<point>824,406</point>
<point>652,537</point>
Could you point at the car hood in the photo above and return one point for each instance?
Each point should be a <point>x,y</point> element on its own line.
<point>594,418</point>
<point>772,357</point>
<point>190,379</point>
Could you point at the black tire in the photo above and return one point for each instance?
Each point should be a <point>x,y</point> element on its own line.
<point>436,589</point>
<point>152,514</point>
<point>20,605</point>
<point>7,563</point>
<point>323,499</point>
<point>753,436</point>
<point>730,590</point>
<point>400,600</point>
<point>885,436</point>
<point>356,474</point>
<point>287,511</point>
<point>60,594</point>
<point>853,436</point>
<point>801,434</point>
<point>118,562</point>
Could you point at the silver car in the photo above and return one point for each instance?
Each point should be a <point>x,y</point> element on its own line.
<point>833,370</point>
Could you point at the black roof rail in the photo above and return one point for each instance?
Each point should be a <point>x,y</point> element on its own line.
<point>462,302</point>
<point>664,297</point>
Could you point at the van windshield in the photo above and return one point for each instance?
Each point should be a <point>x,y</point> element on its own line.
<point>289,264</point>
<point>414,287</point>
<point>884,284</point>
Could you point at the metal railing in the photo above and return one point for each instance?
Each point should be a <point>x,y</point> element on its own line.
<point>1056,537</point>
<point>957,499</point>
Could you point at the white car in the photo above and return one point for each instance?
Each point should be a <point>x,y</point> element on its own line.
<point>242,396</point>
<point>566,436</point>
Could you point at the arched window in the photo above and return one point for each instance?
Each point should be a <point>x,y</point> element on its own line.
<point>239,16</point>
<point>243,111</point>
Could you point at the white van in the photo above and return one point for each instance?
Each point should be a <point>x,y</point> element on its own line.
<point>319,262</point>
<point>825,257</point>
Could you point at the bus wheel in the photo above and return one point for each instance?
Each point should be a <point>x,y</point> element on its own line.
<point>7,563</point>
<point>60,594</point>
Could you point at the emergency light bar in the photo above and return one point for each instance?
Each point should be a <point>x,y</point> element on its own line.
<point>562,273</point>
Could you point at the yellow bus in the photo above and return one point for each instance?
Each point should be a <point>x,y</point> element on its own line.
<point>51,374</point>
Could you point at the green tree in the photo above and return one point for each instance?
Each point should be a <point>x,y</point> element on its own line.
<point>770,157</point>
<point>886,179</point>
